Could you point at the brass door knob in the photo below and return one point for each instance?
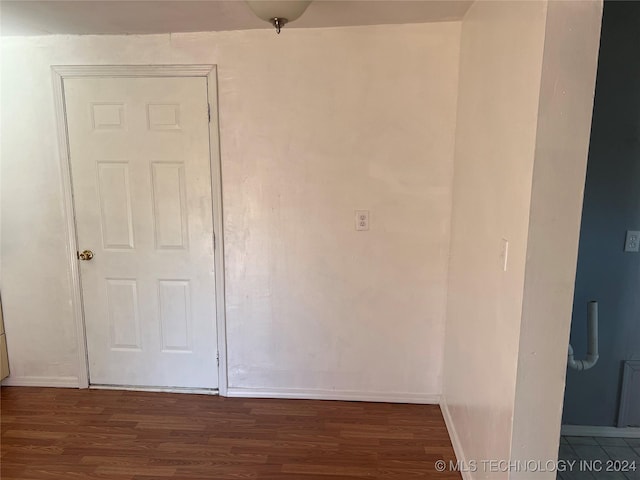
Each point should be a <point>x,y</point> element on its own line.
<point>85,255</point>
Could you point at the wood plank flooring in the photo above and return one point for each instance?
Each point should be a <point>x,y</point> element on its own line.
<point>69,434</point>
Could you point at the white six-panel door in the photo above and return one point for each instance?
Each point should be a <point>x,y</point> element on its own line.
<point>140,170</point>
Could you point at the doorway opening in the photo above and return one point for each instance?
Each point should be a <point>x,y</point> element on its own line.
<point>601,416</point>
<point>141,172</point>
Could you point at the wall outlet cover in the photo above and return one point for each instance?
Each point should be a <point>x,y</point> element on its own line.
<point>632,241</point>
<point>362,220</point>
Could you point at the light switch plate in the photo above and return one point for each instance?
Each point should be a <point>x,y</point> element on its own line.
<point>632,242</point>
<point>504,254</point>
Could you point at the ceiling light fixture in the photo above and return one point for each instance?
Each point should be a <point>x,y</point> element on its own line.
<point>278,13</point>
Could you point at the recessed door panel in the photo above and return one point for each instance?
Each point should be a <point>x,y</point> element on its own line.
<point>124,321</point>
<point>175,315</point>
<point>169,201</point>
<point>115,205</point>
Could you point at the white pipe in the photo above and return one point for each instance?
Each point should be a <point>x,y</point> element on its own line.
<point>592,341</point>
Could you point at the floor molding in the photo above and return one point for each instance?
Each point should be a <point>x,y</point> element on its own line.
<point>60,382</point>
<point>346,395</point>
<point>134,388</point>
<point>598,431</point>
<point>455,439</point>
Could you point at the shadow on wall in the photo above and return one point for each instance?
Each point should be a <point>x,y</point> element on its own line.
<point>611,207</point>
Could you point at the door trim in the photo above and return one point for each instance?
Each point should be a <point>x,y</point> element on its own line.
<point>61,72</point>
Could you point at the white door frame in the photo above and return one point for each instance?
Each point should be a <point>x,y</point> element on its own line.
<point>59,73</point>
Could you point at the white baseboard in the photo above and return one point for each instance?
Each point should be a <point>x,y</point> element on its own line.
<point>455,439</point>
<point>135,388</point>
<point>597,431</point>
<point>346,395</point>
<point>60,382</point>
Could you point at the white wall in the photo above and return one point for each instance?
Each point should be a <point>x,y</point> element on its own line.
<point>527,78</point>
<point>315,123</point>
<point>500,69</point>
<point>564,127</point>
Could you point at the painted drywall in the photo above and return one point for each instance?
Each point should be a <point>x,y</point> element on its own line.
<point>315,123</point>
<point>500,70</point>
<point>569,68</point>
<point>611,206</point>
<point>526,87</point>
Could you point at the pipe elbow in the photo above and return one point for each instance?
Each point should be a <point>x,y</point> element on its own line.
<point>590,361</point>
<point>571,361</point>
<point>592,343</point>
<point>582,365</point>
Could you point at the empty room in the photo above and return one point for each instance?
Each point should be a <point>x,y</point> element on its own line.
<point>293,239</point>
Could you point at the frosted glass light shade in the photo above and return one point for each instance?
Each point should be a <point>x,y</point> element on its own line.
<point>286,9</point>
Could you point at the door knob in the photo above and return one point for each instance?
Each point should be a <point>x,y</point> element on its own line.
<point>85,255</point>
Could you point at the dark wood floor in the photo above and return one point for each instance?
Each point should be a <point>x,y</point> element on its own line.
<point>95,434</point>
